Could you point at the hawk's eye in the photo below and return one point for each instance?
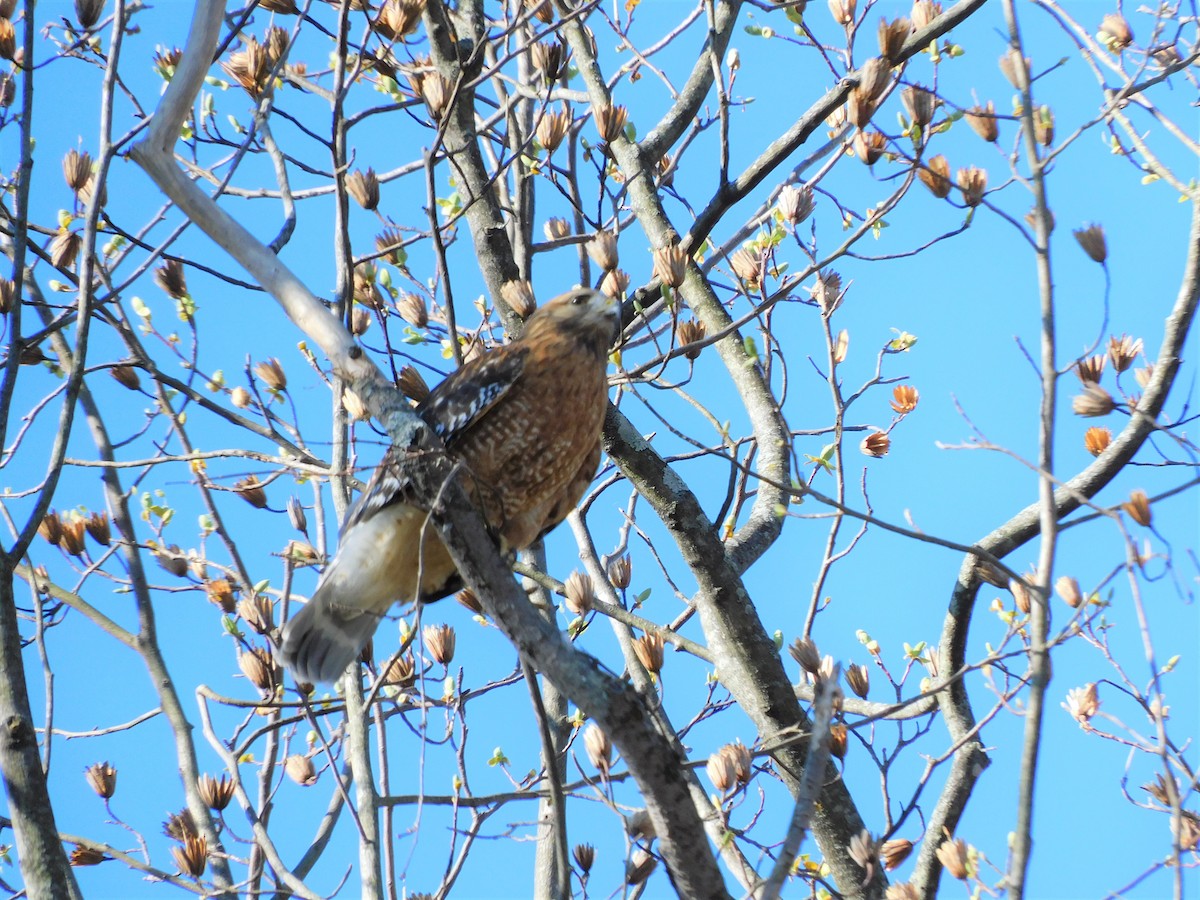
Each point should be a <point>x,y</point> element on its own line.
<point>579,299</point>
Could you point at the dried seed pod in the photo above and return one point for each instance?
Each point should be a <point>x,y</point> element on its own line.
<point>401,672</point>
<point>670,264</point>
<point>935,175</point>
<point>973,184</point>
<point>838,741</point>
<point>172,560</point>
<point>259,668</point>
<point>440,640</point>
<point>952,854</point>
<point>905,398</point>
<point>73,530</point>
<point>556,229</point>
<point>65,247</point>
<point>8,40</point>
<point>876,444</point>
<point>859,679</point>
<point>1014,67</point>
<point>738,753</point>
<point>892,36</point>
<point>413,310</point>
<point>641,864</point>
<point>1115,32</point>
<point>360,321</point>
<point>250,489</point>
<point>1091,239</point>
<point>599,749</point>
<point>721,771</point>
<point>437,91</point>
<point>1021,596</point>
<point>1123,351</point>
<point>364,188</point>
<point>585,856</point>
<point>412,385</point>
<point>983,121</point>
<point>747,264</point>
<point>51,528</point>
<point>390,243</point>
<point>688,333</point>
<point>602,249</point>
<point>220,593</point>
<point>552,128</point>
<point>620,572</point>
<point>895,852</point>
<point>610,121</point>
<point>615,283</point>
<point>1068,589</point>
<point>250,67</point>
<point>178,826</point>
<point>924,12</point>
<point>869,146</point>
<point>77,169</point>
<point>580,593</point>
<point>1091,369</point>
<point>8,295</point>
<point>87,12</point>
<point>549,58</point>
<point>1043,125</point>
<point>919,104</point>
<point>840,345</point>
<point>86,856</point>
<point>518,294</point>
<point>272,374</point>
<point>796,203</point>
<point>804,651</point>
<point>1138,508</point>
<point>398,18</point>
<point>257,611</point>
<point>843,11</point>
<point>216,793</point>
<point>1094,401</point>
<point>1096,439</point>
<point>649,651</point>
<point>192,856</point>
<point>102,778</point>
<point>300,769</point>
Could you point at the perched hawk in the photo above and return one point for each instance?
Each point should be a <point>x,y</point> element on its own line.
<point>524,420</point>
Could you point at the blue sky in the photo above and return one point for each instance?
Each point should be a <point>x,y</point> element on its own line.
<point>972,303</point>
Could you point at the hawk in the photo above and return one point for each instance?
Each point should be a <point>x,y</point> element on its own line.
<point>524,422</point>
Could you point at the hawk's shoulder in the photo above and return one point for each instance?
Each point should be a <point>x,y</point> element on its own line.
<point>471,391</point>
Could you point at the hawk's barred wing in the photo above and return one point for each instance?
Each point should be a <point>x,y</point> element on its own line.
<point>469,392</point>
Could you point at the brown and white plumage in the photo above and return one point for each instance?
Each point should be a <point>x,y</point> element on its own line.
<point>524,420</point>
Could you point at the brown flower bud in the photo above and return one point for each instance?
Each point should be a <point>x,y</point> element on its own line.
<point>615,283</point>
<point>579,592</point>
<point>869,146</point>
<point>953,857</point>
<point>924,12</point>
<point>1096,439</point>
<point>1115,32</point>
<point>300,769</point>
<point>805,652</point>
<point>892,36</point>
<point>838,741</point>
<point>670,265</point>
<point>102,778</point>
<point>895,852</point>
<point>919,104</point>
<point>440,640</point>
<point>602,249</point>
<point>1091,369</point>
<point>599,749</point>
<point>1138,508</point>
<point>552,128</point>
<point>192,856</point>
<point>412,385</point>
<point>272,374</point>
<point>51,528</point>
<point>259,668</point>
<point>721,771</point>
<point>585,856</point>
<point>859,679</point>
<point>413,310</point>
<point>1123,351</point>
<point>641,864</point>
<point>64,248</point>
<point>843,11</point>
<point>518,294</point>
<point>973,183</point>
<point>610,121</point>
<point>364,188</point>
<point>77,168</point>
<point>983,121</point>
<point>796,203</point>
<point>556,229</point>
<point>905,398</point>
<point>216,793</point>
<point>688,333</point>
<point>935,175</point>
<point>1094,401</point>
<point>1068,588</point>
<point>620,572</point>
<point>250,490</point>
<point>876,444</point>
<point>398,18</point>
<point>649,651</point>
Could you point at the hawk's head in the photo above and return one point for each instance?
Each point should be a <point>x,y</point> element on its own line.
<point>586,315</point>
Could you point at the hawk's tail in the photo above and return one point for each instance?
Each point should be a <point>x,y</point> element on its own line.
<point>321,640</point>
